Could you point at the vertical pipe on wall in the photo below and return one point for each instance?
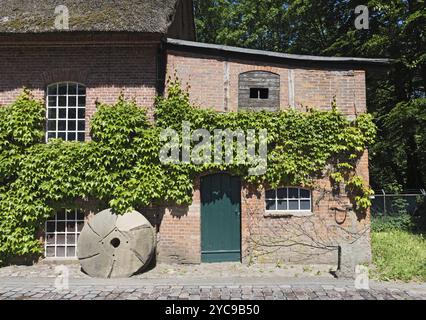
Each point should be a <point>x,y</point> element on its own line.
<point>291,88</point>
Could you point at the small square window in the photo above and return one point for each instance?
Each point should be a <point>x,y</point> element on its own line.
<point>60,252</point>
<point>60,226</point>
<point>80,215</point>
<point>52,101</point>
<point>271,205</point>
<point>51,125</point>
<point>71,239</point>
<point>60,215</point>
<point>60,238</point>
<point>81,124</point>
<point>80,137</point>
<point>62,101</point>
<point>70,214</point>
<point>81,101</point>
<point>50,238</point>
<point>282,205</point>
<point>72,88</point>
<point>72,125</point>
<point>62,113</point>
<point>293,193</point>
<point>71,136</point>
<point>50,226</point>
<point>50,252</point>
<point>305,205</point>
<point>52,90</point>
<point>72,101</point>
<point>70,251</point>
<point>282,193</point>
<point>62,125</point>
<point>72,113</point>
<point>62,89</point>
<point>81,90</point>
<point>259,93</point>
<point>71,226</point>
<point>62,135</point>
<point>51,114</point>
<point>80,226</point>
<point>293,205</point>
<point>270,194</point>
<point>305,194</point>
<point>81,113</point>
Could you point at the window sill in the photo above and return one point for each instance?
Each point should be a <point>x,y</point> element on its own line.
<point>59,260</point>
<point>282,213</point>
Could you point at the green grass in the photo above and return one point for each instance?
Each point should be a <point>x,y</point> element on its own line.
<point>399,255</point>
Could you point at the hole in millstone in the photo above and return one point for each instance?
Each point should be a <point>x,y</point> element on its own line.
<point>115,242</point>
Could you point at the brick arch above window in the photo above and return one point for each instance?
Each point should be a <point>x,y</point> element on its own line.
<point>259,90</point>
<point>60,75</point>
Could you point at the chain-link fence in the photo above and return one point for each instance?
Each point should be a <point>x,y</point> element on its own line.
<point>409,202</point>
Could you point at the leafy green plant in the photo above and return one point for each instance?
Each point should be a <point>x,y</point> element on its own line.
<point>121,168</point>
<point>399,255</point>
<point>403,222</point>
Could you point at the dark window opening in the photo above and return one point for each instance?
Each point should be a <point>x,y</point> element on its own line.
<point>259,93</point>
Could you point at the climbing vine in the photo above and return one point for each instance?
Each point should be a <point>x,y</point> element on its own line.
<point>120,166</point>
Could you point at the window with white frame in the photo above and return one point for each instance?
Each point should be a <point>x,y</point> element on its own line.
<point>66,111</point>
<point>288,199</point>
<point>61,233</point>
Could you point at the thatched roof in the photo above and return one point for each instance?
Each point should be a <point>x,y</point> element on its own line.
<point>38,16</point>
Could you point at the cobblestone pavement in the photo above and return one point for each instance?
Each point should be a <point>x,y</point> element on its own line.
<point>219,281</point>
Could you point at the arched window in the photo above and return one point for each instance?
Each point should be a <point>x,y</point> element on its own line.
<point>288,199</point>
<point>66,111</point>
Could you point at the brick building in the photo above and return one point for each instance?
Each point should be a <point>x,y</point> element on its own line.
<point>121,46</point>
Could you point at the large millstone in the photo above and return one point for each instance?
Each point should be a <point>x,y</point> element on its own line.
<point>112,246</point>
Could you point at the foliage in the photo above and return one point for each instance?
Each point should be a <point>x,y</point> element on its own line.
<point>403,222</point>
<point>121,168</point>
<point>399,255</point>
<point>300,144</point>
<point>406,145</point>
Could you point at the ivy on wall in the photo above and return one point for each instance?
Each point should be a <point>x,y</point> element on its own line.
<point>121,168</point>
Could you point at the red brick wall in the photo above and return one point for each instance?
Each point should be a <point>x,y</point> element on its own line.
<point>105,71</point>
<point>179,237</point>
<point>213,83</point>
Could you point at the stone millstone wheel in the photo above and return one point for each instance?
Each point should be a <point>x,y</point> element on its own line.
<point>112,246</point>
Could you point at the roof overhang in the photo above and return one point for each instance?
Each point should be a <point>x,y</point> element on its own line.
<point>251,54</point>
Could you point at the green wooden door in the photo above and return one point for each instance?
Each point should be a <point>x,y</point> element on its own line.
<point>220,218</point>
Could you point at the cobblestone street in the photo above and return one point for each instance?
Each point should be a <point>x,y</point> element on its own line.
<point>219,281</point>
